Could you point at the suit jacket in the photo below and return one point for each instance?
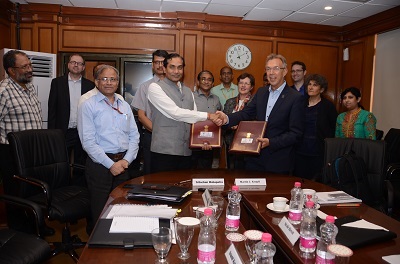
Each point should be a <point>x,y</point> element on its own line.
<point>284,128</point>
<point>59,101</point>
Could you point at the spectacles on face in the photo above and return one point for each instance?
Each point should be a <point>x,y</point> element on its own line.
<point>244,83</point>
<point>158,62</point>
<point>297,71</point>
<point>205,80</point>
<point>106,79</point>
<point>24,67</point>
<point>274,69</point>
<point>77,63</point>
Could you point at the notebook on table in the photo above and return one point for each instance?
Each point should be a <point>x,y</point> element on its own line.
<point>157,193</point>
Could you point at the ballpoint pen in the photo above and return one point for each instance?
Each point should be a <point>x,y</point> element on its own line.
<point>348,205</point>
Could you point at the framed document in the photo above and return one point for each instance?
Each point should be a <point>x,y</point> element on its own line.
<point>245,139</point>
<point>205,132</point>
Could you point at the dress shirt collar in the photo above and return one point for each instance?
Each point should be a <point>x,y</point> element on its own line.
<point>231,87</point>
<point>279,90</point>
<point>70,79</point>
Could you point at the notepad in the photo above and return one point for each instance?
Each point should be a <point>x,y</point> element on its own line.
<point>133,224</point>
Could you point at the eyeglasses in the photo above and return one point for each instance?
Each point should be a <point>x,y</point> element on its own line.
<point>244,83</point>
<point>111,79</point>
<point>297,71</point>
<point>204,80</point>
<point>77,63</point>
<point>24,67</point>
<point>158,62</point>
<point>274,69</point>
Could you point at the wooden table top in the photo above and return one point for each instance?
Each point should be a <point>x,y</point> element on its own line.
<point>253,210</point>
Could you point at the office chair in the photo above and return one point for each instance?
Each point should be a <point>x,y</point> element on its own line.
<point>373,153</point>
<point>19,247</point>
<point>379,134</point>
<point>43,177</point>
<point>392,140</point>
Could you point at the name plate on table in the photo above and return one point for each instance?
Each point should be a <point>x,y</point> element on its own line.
<point>251,181</point>
<point>289,230</point>
<point>205,132</point>
<point>214,184</point>
<point>245,139</point>
<point>232,256</point>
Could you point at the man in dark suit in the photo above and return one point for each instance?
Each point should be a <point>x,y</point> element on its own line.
<point>64,95</point>
<point>283,109</point>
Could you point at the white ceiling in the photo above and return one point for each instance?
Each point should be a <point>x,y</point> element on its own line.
<point>343,12</point>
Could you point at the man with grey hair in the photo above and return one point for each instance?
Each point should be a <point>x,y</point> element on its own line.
<point>109,135</point>
<point>283,109</point>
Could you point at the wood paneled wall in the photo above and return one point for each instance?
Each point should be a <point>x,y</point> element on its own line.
<point>203,40</point>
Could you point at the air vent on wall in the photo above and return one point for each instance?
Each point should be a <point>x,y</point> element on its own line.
<point>42,66</point>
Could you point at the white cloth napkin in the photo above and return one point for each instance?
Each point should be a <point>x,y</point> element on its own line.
<point>364,224</point>
<point>392,259</point>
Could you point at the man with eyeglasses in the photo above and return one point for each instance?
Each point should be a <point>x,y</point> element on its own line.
<point>298,75</point>
<point>19,110</point>
<point>206,101</point>
<point>227,89</point>
<point>173,110</point>
<point>65,92</point>
<point>141,104</point>
<point>109,135</point>
<point>283,109</point>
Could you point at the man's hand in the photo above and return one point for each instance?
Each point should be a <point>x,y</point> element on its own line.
<point>206,146</point>
<point>221,116</point>
<point>119,167</point>
<point>215,118</point>
<point>264,142</point>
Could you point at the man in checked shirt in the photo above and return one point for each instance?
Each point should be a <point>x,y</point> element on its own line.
<point>19,108</point>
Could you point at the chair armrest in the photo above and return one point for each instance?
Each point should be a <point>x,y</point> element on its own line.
<point>77,166</point>
<point>38,183</point>
<point>24,203</point>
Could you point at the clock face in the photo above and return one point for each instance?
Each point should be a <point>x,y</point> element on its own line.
<point>238,56</point>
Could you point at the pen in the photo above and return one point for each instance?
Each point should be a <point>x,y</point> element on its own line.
<point>349,205</point>
<point>184,181</point>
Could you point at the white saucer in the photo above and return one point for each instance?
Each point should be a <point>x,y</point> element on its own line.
<point>270,206</point>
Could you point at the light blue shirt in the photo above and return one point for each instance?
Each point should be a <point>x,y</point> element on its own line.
<point>273,97</point>
<point>103,129</point>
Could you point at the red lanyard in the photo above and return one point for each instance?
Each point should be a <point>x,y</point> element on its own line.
<point>116,109</point>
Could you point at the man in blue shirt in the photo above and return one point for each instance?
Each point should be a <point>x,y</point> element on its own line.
<point>109,135</point>
<point>298,75</point>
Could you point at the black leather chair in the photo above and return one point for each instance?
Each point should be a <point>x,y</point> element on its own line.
<point>43,176</point>
<point>379,134</point>
<point>373,153</point>
<point>19,247</point>
<point>392,140</point>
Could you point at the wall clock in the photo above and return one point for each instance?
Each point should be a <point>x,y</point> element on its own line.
<point>238,56</point>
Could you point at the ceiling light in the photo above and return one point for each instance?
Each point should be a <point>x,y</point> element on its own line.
<point>327,7</point>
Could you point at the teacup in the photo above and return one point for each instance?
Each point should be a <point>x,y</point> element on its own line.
<point>279,203</point>
<point>310,195</point>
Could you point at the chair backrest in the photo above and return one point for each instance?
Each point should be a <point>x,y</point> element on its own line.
<point>379,134</point>
<point>40,154</point>
<point>392,139</point>
<point>371,151</point>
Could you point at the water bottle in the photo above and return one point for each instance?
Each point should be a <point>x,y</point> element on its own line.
<point>233,210</point>
<point>296,204</point>
<point>265,250</point>
<point>207,241</point>
<point>328,236</point>
<point>308,229</point>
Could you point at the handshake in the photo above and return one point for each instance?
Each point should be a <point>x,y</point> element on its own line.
<point>219,118</point>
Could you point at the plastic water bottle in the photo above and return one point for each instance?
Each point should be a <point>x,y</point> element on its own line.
<point>265,250</point>
<point>296,204</point>
<point>308,229</point>
<point>233,210</point>
<point>207,241</point>
<point>328,236</point>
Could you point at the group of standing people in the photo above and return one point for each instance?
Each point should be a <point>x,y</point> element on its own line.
<point>100,129</point>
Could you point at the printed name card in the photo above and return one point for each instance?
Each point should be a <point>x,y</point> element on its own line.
<point>232,256</point>
<point>289,230</point>
<point>208,182</point>
<point>251,181</point>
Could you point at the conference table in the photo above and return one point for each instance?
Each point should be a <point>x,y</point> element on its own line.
<point>254,215</point>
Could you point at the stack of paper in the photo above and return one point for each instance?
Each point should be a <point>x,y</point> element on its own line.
<point>336,197</point>
<point>159,211</point>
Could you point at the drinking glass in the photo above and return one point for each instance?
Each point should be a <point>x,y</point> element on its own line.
<point>217,202</point>
<point>161,238</point>
<point>184,234</point>
<point>252,238</point>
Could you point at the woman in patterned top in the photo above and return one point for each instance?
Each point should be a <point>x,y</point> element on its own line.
<point>246,83</point>
<point>355,122</point>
